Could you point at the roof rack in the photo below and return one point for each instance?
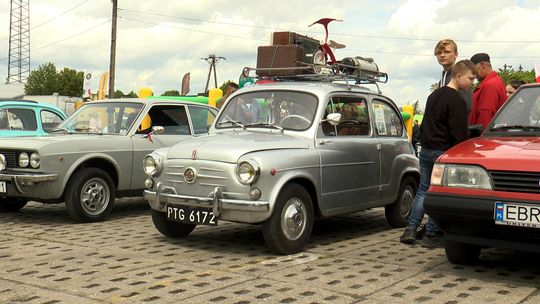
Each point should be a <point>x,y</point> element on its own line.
<point>353,71</point>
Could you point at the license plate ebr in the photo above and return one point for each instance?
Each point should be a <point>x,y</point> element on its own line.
<point>191,215</point>
<point>517,214</point>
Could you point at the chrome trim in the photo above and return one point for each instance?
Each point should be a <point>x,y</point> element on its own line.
<point>214,201</point>
<point>29,179</point>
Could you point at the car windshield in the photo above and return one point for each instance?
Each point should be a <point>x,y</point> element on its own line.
<point>521,113</point>
<point>102,117</point>
<point>269,109</point>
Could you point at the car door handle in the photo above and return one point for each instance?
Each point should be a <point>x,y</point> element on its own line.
<point>324,142</point>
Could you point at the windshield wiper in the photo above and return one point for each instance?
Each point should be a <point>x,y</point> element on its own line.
<point>510,127</point>
<point>58,129</point>
<point>228,120</point>
<point>264,124</point>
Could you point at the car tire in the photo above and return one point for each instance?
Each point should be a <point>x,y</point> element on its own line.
<point>169,228</point>
<point>397,214</point>
<point>12,204</point>
<point>461,253</point>
<point>289,228</point>
<point>90,195</point>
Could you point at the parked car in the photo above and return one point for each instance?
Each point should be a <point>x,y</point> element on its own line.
<point>96,154</point>
<point>485,192</point>
<point>282,155</point>
<point>28,117</point>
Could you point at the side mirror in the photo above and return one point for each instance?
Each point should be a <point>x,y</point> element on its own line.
<point>475,130</point>
<point>333,118</point>
<point>157,130</point>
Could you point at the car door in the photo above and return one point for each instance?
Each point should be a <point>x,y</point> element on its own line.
<point>176,123</point>
<point>390,133</point>
<point>349,156</point>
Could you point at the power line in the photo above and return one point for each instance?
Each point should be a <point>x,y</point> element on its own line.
<point>333,33</point>
<point>63,13</point>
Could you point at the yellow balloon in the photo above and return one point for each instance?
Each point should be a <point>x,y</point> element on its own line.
<point>145,92</point>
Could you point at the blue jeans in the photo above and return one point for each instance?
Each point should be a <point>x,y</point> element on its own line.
<point>427,160</point>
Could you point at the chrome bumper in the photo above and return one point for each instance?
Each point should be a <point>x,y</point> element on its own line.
<point>215,200</point>
<point>22,179</point>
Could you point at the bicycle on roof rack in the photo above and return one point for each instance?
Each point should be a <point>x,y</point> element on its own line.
<point>288,62</point>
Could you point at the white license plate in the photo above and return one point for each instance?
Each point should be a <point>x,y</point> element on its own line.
<point>3,188</point>
<point>191,215</point>
<point>513,214</point>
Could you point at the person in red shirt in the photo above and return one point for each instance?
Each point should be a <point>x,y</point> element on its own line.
<point>489,95</point>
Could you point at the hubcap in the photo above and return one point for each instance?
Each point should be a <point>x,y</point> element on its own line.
<point>95,196</point>
<point>293,219</point>
<point>407,198</point>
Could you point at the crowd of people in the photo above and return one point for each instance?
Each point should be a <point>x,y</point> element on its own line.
<point>451,111</point>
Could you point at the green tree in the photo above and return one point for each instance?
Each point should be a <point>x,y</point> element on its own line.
<point>43,81</point>
<point>118,94</point>
<point>70,82</point>
<point>433,86</point>
<point>171,93</point>
<point>131,94</point>
<point>511,74</point>
<point>417,109</point>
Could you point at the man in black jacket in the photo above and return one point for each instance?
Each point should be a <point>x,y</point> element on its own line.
<point>444,125</point>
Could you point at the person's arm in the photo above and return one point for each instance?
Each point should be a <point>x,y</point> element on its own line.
<point>457,121</point>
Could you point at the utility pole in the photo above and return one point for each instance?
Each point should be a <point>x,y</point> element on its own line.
<point>113,48</point>
<point>19,41</point>
<point>212,60</point>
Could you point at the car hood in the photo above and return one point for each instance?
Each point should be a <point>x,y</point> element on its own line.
<point>35,143</point>
<point>498,153</point>
<point>230,146</point>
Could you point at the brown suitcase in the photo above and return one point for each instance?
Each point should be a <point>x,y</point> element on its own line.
<point>309,44</point>
<point>279,56</point>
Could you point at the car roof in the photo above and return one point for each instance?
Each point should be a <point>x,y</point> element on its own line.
<point>27,102</point>
<point>317,87</point>
<point>152,101</point>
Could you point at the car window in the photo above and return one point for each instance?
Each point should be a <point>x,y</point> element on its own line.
<point>18,119</point>
<point>49,120</point>
<point>290,110</point>
<point>355,120</point>
<point>202,118</point>
<point>522,109</point>
<point>102,117</point>
<point>387,120</point>
<point>172,118</point>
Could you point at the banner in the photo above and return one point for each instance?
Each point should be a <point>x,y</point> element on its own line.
<point>185,84</point>
<point>537,71</point>
<point>103,86</point>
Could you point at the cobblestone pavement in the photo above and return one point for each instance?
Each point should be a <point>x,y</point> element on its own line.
<point>46,258</point>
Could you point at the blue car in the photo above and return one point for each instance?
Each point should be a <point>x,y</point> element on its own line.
<point>28,117</point>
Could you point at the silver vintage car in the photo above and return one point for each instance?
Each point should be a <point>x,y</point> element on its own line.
<point>282,155</point>
<point>96,154</point>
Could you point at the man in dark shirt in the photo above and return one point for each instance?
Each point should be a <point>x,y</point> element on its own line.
<point>444,125</point>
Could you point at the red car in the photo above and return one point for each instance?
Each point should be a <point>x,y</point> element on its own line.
<point>485,192</point>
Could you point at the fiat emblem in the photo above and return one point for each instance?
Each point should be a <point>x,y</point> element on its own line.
<point>189,175</point>
<point>194,154</point>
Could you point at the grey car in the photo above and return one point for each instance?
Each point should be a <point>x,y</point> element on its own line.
<point>96,154</point>
<point>283,155</point>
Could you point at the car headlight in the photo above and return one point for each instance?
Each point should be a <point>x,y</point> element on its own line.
<point>2,162</point>
<point>152,164</point>
<point>248,172</point>
<point>24,160</point>
<point>461,176</point>
<point>34,160</point>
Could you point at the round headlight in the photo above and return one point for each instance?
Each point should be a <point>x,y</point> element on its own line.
<point>24,160</point>
<point>152,164</point>
<point>34,160</point>
<point>2,162</point>
<point>248,172</point>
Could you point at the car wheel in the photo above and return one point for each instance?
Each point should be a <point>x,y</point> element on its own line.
<point>397,214</point>
<point>169,228</point>
<point>289,228</point>
<point>12,204</point>
<point>461,253</point>
<point>90,195</point>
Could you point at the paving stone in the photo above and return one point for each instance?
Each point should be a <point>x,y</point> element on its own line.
<point>13,292</point>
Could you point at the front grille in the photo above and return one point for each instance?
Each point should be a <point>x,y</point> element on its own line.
<point>11,158</point>
<point>526,182</point>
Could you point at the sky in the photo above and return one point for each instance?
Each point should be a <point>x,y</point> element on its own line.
<point>158,41</point>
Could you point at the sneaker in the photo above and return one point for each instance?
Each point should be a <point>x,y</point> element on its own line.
<point>408,236</point>
<point>432,241</point>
